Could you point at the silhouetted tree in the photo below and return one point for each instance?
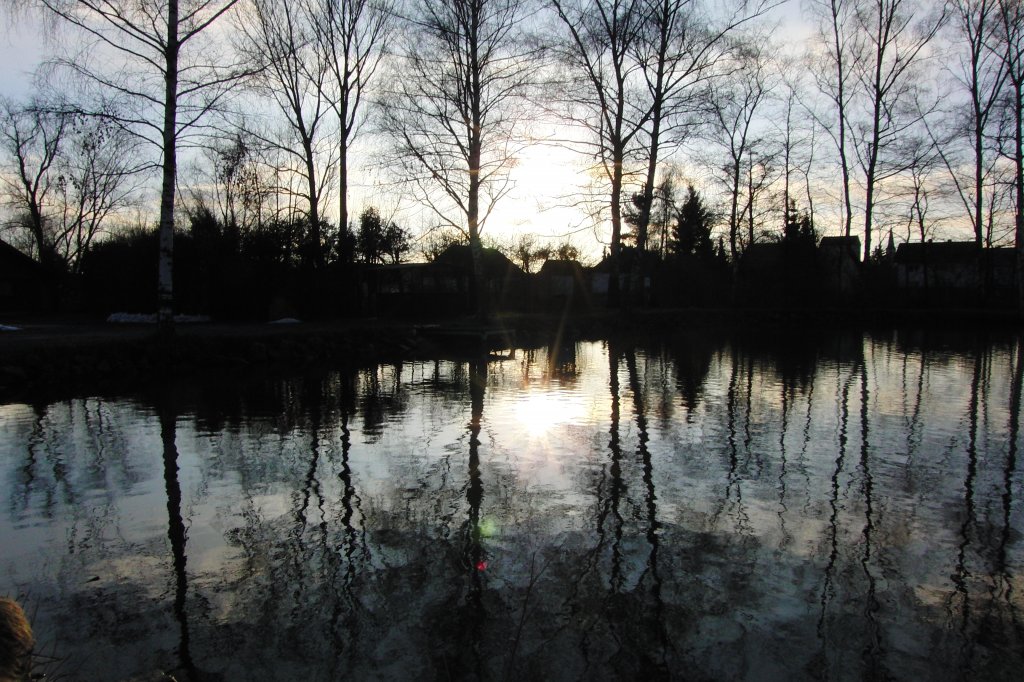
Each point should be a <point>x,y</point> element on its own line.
<point>607,90</point>
<point>437,241</point>
<point>692,231</point>
<point>682,43</point>
<point>841,47</point>
<point>449,110</point>
<point>168,77</point>
<point>734,105</point>
<point>888,73</point>
<point>31,141</point>
<point>68,174</point>
<point>353,36</point>
<point>279,39</point>
<point>799,230</point>
<point>232,180</point>
<point>566,251</point>
<point>983,75</point>
<point>524,251</point>
<point>1010,45</point>
<point>379,239</point>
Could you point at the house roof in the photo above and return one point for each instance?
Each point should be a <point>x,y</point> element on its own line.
<point>850,243</point>
<point>495,262</point>
<point>626,257</point>
<point>561,268</point>
<point>937,252</point>
<point>14,263</point>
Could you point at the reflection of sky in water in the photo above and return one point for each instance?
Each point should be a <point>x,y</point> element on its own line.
<point>837,510</point>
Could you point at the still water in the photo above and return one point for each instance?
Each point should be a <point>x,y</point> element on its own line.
<point>847,507</point>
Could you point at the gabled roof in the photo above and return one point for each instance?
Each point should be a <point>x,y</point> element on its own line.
<point>938,252</point>
<point>561,268</point>
<point>627,255</point>
<point>495,262</point>
<point>15,263</point>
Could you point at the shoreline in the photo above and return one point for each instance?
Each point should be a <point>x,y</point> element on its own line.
<point>58,357</point>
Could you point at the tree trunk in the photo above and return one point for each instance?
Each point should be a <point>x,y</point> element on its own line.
<point>840,101</point>
<point>872,170</point>
<point>979,167</point>
<point>478,295</point>
<point>1018,159</point>
<point>734,217</point>
<point>474,93</point>
<point>315,241</point>
<point>615,250</point>
<point>343,183</point>
<point>165,282</point>
<point>652,161</point>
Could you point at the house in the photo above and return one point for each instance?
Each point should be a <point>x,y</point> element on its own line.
<point>634,275</point>
<point>760,272</point>
<point>410,288</point>
<point>443,286</point>
<point>799,273</point>
<point>955,272</point>
<point>562,285</point>
<point>839,266</point>
<point>507,286</point>
<point>24,286</point>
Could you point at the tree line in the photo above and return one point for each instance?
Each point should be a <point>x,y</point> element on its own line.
<point>885,118</point>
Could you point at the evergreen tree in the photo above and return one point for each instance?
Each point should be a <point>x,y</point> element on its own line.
<point>799,229</point>
<point>380,240</point>
<point>692,232</point>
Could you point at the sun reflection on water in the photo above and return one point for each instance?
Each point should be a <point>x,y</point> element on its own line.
<point>539,413</point>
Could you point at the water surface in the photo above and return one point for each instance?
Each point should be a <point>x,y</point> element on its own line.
<point>847,507</point>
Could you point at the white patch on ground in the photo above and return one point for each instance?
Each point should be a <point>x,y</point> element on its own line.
<point>150,318</point>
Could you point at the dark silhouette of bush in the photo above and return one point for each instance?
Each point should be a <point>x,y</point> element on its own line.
<point>267,271</point>
<point>119,273</point>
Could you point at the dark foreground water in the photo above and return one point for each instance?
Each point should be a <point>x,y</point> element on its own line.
<point>846,508</point>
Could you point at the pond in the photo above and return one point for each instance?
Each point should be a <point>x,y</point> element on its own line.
<point>840,507</point>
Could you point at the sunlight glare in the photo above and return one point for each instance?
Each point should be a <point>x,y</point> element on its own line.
<point>540,412</point>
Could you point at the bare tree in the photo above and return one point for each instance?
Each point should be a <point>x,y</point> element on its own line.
<point>663,211</point>
<point>796,136</point>
<point>151,54</point>
<point>524,250</point>
<point>888,78</point>
<point>450,110</point>
<point>280,39</point>
<point>842,47</point>
<point>234,183</point>
<point>98,177</point>
<point>71,174</point>
<point>353,35</point>
<point>982,73</point>
<point>919,202</point>
<point>733,128</point>
<point>1010,47</point>
<point>682,42</point>
<point>433,242</point>
<point>608,98</point>
<point>31,139</point>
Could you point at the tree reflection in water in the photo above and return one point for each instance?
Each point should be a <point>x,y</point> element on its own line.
<point>176,535</point>
<point>711,511</point>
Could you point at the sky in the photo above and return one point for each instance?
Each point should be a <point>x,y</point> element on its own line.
<point>546,178</point>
